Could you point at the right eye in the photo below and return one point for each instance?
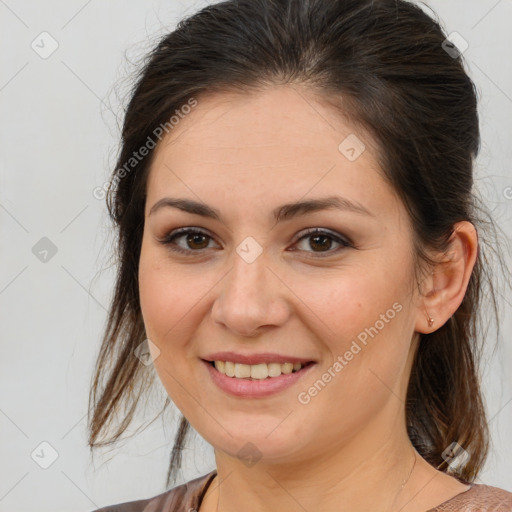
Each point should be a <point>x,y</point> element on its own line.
<point>191,237</point>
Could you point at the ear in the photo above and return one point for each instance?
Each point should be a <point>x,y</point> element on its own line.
<point>444,289</point>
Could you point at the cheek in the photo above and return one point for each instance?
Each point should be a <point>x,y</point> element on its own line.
<point>347,303</point>
<point>365,324</point>
<point>174,302</point>
<point>168,314</point>
<point>167,297</point>
<point>154,297</point>
<point>364,319</point>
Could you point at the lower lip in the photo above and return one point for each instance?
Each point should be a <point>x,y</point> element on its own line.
<point>258,387</point>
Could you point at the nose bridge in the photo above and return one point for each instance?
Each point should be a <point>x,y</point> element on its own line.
<point>248,299</point>
<point>248,277</point>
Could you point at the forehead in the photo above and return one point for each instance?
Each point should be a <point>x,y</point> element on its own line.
<point>279,142</point>
<point>245,123</point>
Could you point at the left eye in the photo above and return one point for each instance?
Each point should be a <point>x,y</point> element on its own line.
<point>196,240</point>
<point>323,240</point>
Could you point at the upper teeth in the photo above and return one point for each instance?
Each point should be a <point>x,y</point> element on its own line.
<point>255,371</point>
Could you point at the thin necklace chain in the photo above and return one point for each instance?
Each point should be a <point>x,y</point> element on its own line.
<point>398,494</point>
<point>405,481</point>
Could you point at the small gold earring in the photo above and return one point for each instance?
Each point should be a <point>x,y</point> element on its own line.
<point>430,320</point>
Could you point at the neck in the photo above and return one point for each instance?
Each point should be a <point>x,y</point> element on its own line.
<point>367,472</point>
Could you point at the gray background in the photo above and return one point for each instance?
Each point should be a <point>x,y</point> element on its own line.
<point>59,122</point>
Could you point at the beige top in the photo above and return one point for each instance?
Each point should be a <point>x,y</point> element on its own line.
<point>188,497</point>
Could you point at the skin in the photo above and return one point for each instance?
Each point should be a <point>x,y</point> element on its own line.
<point>246,155</point>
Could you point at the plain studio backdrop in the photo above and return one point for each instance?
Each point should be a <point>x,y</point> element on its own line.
<point>63,72</point>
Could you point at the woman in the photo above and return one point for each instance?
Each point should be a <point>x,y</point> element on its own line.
<point>299,254</point>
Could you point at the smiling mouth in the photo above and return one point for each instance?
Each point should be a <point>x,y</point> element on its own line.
<point>260,371</point>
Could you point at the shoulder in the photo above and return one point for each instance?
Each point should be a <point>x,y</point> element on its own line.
<point>182,498</point>
<point>479,498</point>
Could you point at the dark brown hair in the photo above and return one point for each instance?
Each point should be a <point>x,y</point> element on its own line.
<point>384,65</point>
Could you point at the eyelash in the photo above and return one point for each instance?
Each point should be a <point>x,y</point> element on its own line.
<point>169,239</point>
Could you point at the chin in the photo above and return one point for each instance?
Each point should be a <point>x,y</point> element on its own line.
<point>271,445</point>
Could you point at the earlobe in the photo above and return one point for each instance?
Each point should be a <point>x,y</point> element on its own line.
<point>430,320</point>
<point>445,288</point>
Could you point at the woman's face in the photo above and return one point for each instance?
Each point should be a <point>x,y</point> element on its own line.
<point>251,283</point>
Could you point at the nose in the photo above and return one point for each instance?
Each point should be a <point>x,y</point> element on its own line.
<point>252,298</point>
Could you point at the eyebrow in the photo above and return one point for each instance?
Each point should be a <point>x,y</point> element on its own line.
<point>281,213</point>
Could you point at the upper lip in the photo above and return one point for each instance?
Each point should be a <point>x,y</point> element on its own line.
<point>266,357</point>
